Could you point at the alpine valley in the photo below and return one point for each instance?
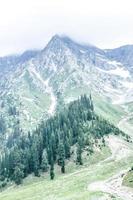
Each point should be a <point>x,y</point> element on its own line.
<point>88,89</point>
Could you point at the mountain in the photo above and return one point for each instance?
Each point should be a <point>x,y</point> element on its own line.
<point>36,84</point>
<point>67,108</point>
<point>122,54</point>
<point>8,62</point>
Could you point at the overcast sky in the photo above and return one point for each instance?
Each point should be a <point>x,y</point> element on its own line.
<point>29,24</point>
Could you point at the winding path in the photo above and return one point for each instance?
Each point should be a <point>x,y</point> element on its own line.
<point>123,124</point>
<point>113,186</point>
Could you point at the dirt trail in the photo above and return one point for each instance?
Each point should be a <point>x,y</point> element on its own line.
<point>125,125</point>
<point>113,186</point>
<point>120,149</point>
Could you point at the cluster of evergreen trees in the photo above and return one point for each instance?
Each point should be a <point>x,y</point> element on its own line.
<point>52,140</point>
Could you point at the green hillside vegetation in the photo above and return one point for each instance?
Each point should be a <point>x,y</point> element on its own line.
<point>128,179</point>
<point>71,185</point>
<point>52,141</point>
<point>130,106</point>
<point>103,106</point>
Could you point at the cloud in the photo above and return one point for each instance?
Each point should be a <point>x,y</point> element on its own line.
<point>28,24</point>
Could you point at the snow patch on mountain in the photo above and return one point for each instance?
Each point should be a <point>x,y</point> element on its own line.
<point>118,72</point>
<point>27,99</point>
<point>127,84</point>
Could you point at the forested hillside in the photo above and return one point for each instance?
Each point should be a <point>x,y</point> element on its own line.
<point>51,143</point>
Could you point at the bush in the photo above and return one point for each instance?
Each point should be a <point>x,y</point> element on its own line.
<point>3,184</point>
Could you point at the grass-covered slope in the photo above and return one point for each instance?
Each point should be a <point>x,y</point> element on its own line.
<point>128,179</point>
<point>76,142</point>
<point>103,106</point>
<point>75,183</point>
<point>51,143</point>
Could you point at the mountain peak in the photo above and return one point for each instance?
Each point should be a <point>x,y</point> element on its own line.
<point>62,42</point>
<point>58,38</point>
<point>55,42</point>
<point>55,37</point>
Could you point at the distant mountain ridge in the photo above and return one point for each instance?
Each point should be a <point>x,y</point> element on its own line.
<point>37,83</point>
<point>122,54</point>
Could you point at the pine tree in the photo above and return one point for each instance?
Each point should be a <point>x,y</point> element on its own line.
<point>18,175</point>
<point>80,145</point>
<point>44,164</point>
<point>35,159</point>
<point>79,155</point>
<point>52,175</point>
<point>61,157</point>
<point>91,103</point>
<point>2,125</point>
<point>67,148</point>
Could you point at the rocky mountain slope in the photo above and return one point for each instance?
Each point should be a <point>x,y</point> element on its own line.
<point>37,83</point>
<point>122,54</point>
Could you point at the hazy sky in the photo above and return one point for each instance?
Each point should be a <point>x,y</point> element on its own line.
<point>29,24</point>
